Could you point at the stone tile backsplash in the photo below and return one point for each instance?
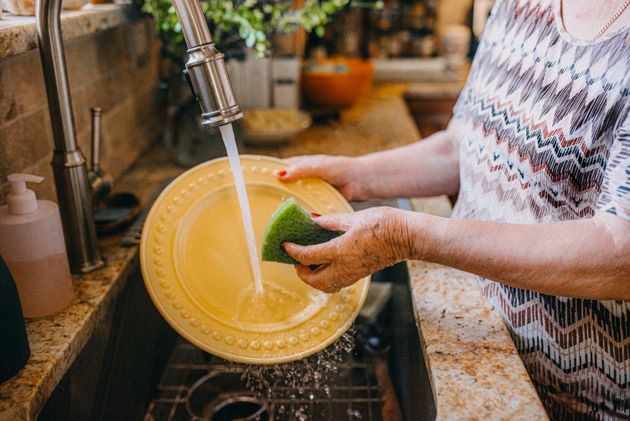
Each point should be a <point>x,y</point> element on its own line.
<point>116,69</point>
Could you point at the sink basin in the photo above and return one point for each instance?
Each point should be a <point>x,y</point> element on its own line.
<point>190,387</point>
<point>194,386</point>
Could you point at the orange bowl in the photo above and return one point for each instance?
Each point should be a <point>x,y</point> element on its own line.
<point>322,87</point>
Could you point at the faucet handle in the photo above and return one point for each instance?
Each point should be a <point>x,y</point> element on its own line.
<point>100,181</point>
<point>96,139</point>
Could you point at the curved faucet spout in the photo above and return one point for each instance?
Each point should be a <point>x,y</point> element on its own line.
<point>71,176</point>
<point>211,85</point>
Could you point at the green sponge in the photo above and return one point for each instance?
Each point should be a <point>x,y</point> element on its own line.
<point>291,223</point>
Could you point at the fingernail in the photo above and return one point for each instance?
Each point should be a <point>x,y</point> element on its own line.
<point>282,173</point>
<point>315,215</point>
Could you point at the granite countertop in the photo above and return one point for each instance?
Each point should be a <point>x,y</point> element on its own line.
<point>474,368</point>
<point>17,33</point>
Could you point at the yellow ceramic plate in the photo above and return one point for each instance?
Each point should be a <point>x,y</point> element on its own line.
<point>195,265</point>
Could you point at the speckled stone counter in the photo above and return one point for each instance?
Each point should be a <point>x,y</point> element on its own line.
<point>476,373</point>
<point>473,365</point>
<point>17,33</point>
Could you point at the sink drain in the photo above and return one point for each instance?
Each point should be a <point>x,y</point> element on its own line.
<point>221,396</point>
<point>241,408</point>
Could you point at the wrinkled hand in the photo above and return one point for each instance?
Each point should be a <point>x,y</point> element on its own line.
<point>374,239</point>
<point>346,174</point>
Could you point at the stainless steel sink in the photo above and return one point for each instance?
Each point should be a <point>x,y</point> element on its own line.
<point>195,386</point>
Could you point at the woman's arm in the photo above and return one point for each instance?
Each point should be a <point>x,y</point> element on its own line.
<point>426,168</point>
<point>588,258</point>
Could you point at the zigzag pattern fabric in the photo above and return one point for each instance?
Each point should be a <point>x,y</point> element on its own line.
<point>544,133</point>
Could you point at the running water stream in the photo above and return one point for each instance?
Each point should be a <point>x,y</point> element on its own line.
<point>227,133</point>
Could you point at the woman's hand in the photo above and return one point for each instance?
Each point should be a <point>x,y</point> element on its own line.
<point>374,239</point>
<point>426,168</point>
<point>346,174</point>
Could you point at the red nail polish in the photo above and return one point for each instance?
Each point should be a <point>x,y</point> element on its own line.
<point>315,215</point>
<point>282,173</point>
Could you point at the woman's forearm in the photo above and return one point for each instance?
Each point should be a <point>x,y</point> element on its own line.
<point>587,258</point>
<point>429,167</point>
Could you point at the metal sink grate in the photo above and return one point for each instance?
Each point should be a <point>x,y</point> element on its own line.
<point>353,390</point>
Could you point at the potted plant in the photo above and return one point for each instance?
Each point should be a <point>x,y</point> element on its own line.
<point>240,24</point>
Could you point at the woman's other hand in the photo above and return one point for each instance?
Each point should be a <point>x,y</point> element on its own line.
<point>346,174</point>
<point>374,239</point>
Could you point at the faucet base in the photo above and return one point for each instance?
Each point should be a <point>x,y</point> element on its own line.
<point>75,205</point>
<point>90,267</point>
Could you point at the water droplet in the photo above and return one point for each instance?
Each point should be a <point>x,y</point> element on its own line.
<point>354,413</point>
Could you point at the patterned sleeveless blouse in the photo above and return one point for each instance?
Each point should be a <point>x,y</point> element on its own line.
<point>544,136</point>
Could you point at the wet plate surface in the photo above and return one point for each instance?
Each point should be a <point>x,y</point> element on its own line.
<point>195,265</point>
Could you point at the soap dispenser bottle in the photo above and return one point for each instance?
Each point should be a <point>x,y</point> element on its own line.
<point>33,247</point>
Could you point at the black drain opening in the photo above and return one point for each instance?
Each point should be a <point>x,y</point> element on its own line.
<point>240,409</point>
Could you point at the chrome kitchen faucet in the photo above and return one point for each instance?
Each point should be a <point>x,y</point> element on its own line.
<point>76,186</point>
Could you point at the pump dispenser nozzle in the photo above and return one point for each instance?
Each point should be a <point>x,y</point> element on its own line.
<point>22,200</point>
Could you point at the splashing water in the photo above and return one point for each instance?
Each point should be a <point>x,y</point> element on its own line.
<point>307,379</point>
<point>227,133</point>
